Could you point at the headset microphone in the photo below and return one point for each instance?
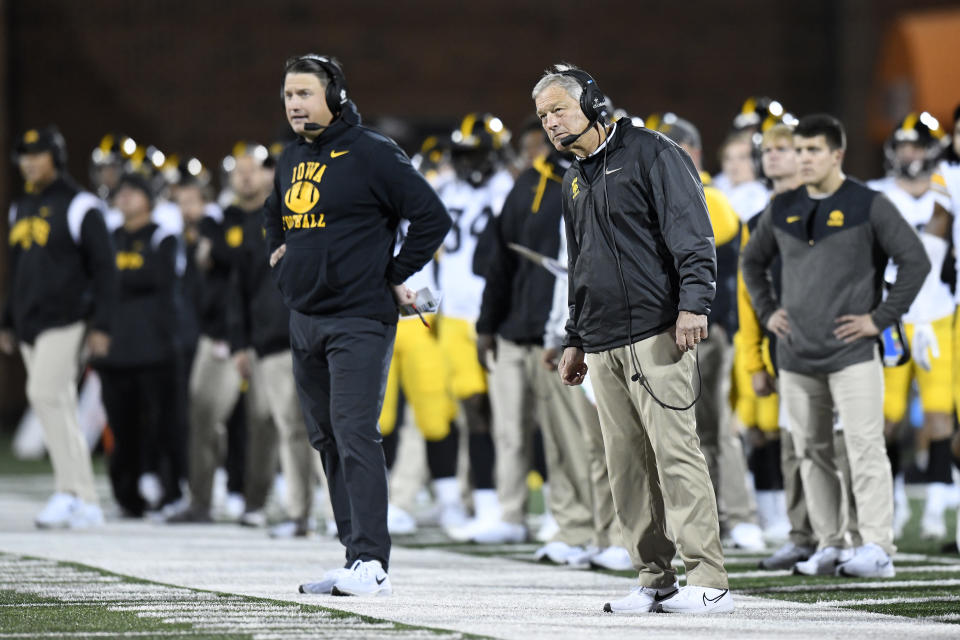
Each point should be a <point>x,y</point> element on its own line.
<point>313,126</point>
<point>566,141</point>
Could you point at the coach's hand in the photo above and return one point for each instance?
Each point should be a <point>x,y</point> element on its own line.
<point>486,350</point>
<point>98,343</point>
<point>572,368</point>
<point>241,360</point>
<point>403,294</point>
<point>550,358</point>
<point>277,254</point>
<point>779,324</point>
<point>763,383</point>
<point>853,327</point>
<point>691,328</point>
<point>8,342</point>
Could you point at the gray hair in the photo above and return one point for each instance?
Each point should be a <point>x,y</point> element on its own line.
<point>554,76</point>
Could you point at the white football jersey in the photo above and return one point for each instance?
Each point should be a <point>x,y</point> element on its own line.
<point>951,179</point>
<point>426,276</point>
<point>934,300</point>
<point>471,208</point>
<point>747,198</point>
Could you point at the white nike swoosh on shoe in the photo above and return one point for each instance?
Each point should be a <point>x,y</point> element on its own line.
<point>609,171</point>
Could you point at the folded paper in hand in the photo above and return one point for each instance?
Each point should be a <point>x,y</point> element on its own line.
<point>427,302</point>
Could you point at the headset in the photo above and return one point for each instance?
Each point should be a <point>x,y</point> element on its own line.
<point>336,91</point>
<point>593,102</point>
<point>594,105</point>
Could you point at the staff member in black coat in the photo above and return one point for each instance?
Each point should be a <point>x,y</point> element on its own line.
<point>642,275</point>
<point>62,278</point>
<point>331,222</point>
<point>139,371</point>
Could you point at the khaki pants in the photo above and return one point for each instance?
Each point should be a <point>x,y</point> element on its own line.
<point>720,444</point>
<point>606,528</point>
<point>658,475</point>
<point>52,364</point>
<point>801,531</point>
<point>520,391</point>
<point>857,394</point>
<point>214,389</point>
<point>299,462</point>
<point>261,452</point>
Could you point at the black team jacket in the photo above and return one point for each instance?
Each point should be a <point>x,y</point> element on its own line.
<point>518,293</point>
<point>145,326</point>
<point>61,262</point>
<point>258,317</point>
<point>337,203</point>
<point>639,201</point>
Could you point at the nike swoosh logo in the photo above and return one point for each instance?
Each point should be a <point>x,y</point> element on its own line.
<point>337,154</point>
<point>791,219</point>
<point>383,579</point>
<point>661,598</point>
<point>713,600</point>
<point>609,171</point>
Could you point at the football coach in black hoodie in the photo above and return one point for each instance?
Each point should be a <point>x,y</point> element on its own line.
<point>642,275</point>
<point>331,222</point>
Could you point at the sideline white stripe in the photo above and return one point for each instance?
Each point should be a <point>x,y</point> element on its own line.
<point>850,586</point>
<point>871,601</point>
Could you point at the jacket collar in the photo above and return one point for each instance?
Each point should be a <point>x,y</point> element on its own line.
<point>349,117</point>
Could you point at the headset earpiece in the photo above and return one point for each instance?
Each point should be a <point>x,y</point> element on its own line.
<point>593,102</point>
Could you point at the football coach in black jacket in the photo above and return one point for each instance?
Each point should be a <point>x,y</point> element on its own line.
<point>642,276</point>
<point>331,223</point>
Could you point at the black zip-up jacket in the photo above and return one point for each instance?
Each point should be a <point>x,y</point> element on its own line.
<point>518,293</point>
<point>144,325</point>
<point>225,237</point>
<point>258,317</point>
<point>337,203</point>
<point>61,262</point>
<point>659,221</point>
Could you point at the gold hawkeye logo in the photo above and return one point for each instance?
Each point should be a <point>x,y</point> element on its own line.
<point>302,196</point>
<point>835,219</point>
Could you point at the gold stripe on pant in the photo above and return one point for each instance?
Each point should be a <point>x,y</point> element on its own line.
<point>857,394</point>
<point>52,363</point>
<point>658,475</point>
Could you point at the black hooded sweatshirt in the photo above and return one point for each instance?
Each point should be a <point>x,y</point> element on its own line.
<point>337,203</point>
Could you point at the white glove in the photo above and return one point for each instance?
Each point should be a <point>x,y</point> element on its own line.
<point>925,347</point>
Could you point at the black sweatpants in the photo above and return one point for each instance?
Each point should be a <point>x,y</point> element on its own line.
<point>140,409</point>
<point>340,367</point>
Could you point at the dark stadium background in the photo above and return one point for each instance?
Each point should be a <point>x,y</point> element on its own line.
<point>195,76</point>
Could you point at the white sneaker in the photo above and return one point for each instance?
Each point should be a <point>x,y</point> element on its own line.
<point>694,599</point>
<point>869,561</point>
<point>787,556</point>
<point>364,579</point>
<point>500,532</point>
<point>557,552</point>
<point>399,522</point>
<point>548,528</point>
<point>300,528</point>
<point>234,506</point>
<point>453,516</point>
<point>257,519</point>
<point>822,563</point>
<point>85,515</point>
<point>748,536</point>
<point>464,533</point>
<point>56,513</point>
<point>642,600</point>
<point>150,489</point>
<point>613,558</point>
<point>325,585</point>
<point>581,560</point>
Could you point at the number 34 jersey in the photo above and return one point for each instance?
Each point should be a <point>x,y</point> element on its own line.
<point>471,209</point>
